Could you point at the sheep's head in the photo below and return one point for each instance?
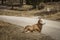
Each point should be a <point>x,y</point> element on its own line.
<point>40,21</point>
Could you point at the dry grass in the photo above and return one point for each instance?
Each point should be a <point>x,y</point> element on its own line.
<point>55,16</point>
<point>14,32</point>
<point>18,13</point>
<point>52,16</point>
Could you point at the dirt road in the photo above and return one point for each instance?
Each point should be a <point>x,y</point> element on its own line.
<point>51,28</point>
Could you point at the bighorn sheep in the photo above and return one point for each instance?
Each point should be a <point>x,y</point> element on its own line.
<point>36,27</point>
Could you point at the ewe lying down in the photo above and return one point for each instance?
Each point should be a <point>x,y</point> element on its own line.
<point>35,27</point>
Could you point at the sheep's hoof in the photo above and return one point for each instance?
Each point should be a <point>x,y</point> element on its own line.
<point>26,32</point>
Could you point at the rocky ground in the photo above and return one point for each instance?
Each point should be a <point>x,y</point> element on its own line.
<point>14,32</point>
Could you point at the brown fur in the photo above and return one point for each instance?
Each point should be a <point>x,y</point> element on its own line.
<point>35,27</point>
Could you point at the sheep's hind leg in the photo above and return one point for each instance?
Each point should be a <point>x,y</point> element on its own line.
<point>38,30</point>
<point>26,31</point>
